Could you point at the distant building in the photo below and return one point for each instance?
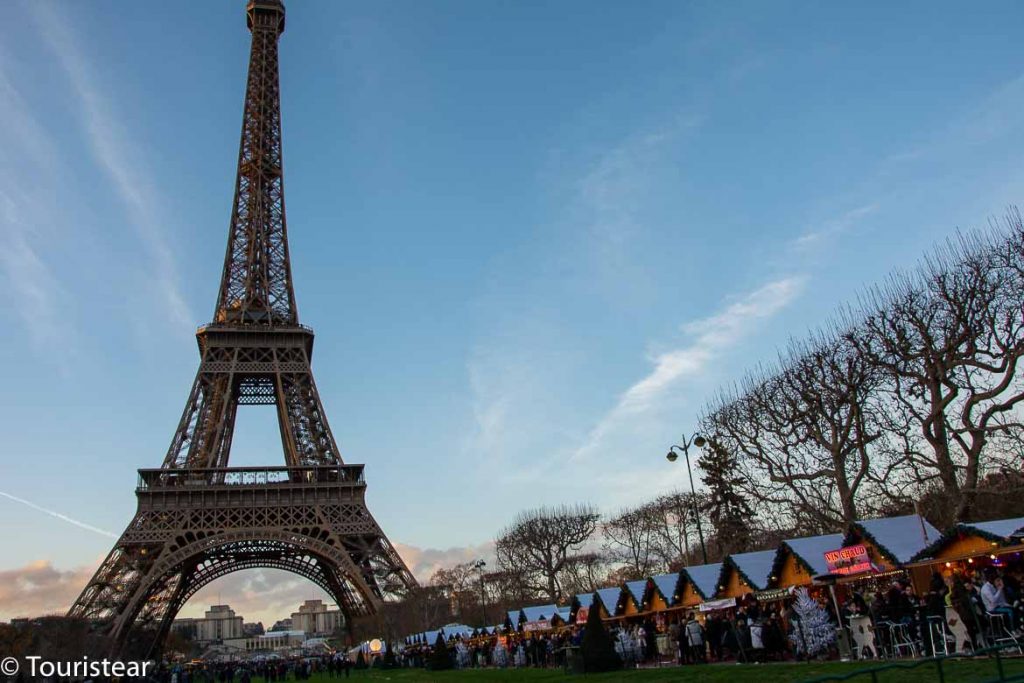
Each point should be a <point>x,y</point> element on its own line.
<point>316,619</point>
<point>282,625</point>
<point>251,630</point>
<point>270,641</point>
<point>218,624</point>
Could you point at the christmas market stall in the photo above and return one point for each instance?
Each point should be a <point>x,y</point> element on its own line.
<point>744,573</point>
<point>538,618</point>
<point>798,560</point>
<point>665,590</point>
<point>702,584</point>
<point>634,598</point>
<point>875,551</point>
<point>607,600</point>
<point>970,546</point>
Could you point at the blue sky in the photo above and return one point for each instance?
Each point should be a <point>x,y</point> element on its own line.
<point>532,239</point>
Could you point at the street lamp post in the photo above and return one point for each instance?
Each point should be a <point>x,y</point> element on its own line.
<point>698,441</point>
<point>479,566</point>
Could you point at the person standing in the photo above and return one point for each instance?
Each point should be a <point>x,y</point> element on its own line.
<point>695,638</point>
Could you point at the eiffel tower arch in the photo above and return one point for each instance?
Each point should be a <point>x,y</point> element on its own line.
<point>199,519</point>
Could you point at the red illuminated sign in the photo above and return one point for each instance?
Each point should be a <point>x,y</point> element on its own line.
<point>852,559</point>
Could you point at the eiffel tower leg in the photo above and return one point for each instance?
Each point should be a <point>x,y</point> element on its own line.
<point>190,532</point>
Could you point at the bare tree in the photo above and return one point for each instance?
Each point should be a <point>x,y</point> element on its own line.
<point>582,573</point>
<point>948,342</point>
<point>461,584</point>
<point>674,519</point>
<point>539,542</point>
<point>629,539</point>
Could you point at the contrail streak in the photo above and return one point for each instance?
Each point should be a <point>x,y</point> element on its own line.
<point>80,525</point>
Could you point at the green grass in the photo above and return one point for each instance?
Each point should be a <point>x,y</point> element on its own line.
<point>956,672</point>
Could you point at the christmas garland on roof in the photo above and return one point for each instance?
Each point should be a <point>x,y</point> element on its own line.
<point>866,535</point>
<point>693,583</point>
<point>954,533</point>
<point>669,599</point>
<point>780,558</point>
<point>739,570</point>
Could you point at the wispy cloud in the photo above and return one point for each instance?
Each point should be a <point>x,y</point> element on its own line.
<point>816,237</point>
<point>613,194</point>
<point>26,180</point>
<point>60,516</point>
<point>113,152</point>
<point>707,338</point>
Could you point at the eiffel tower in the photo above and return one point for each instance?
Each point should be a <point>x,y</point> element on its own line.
<point>199,519</point>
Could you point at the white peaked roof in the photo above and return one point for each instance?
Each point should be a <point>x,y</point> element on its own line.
<point>637,589</point>
<point>609,598</point>
<point>1006,528</point>
<point>539,612</point>
<point>705,578</point>
<point>756,567</point>
<point>902,537</point>
<point>585,599</point>
<point>667,583</point>
<point>450,630</point>
<point>812,549</point>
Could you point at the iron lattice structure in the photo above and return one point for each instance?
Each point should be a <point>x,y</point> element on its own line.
<point>199,519</point>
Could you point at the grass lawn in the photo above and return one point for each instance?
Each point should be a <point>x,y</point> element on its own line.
<point>956,672</point>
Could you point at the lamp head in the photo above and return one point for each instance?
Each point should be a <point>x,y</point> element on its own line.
<point>671,456</point>
<point>699,441</point>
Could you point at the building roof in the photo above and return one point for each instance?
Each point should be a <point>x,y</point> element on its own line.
<point>563,613</point>
<point>282,634</point>
<point>513,617</point>
<point>1000,532</point>
<point>637,589</point>
<point>609,597</point>
<point>539,612</point>
<point>901,538</point>
<point>1005,528</point>
<point>754,568</point>
<point>810,550</point>
<point>450,630</point>
<point>666,585</point>
<point>584,599</point>
<point>704,578</point>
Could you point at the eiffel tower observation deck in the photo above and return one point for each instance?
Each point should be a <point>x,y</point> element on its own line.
<point>199,519</point>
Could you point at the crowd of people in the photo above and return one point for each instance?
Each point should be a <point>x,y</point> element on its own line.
<point>759,632</point>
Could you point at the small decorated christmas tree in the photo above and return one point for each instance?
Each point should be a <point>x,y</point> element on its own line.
<point>811,632</point>
<point>597,647</point>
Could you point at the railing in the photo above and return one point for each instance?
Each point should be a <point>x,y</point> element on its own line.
<point>228,326</point>
<point>938,666</point>
<point>249,476</point>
